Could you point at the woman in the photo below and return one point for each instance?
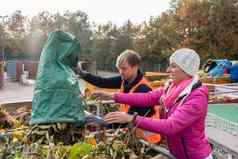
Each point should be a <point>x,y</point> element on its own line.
<point>184,101</point>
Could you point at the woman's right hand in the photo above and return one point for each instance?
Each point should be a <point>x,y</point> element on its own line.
<point>118,117</point>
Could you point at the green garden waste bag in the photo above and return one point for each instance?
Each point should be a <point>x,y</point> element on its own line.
<point>57,93</point>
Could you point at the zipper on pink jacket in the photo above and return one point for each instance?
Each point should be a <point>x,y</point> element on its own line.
<point>184,148</point>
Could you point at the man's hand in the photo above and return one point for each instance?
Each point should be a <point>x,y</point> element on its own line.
<point>103,95</point>
<point>118,117</point>
<point>80,71</point>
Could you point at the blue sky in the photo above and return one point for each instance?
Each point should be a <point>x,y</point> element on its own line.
<point>99,11</point>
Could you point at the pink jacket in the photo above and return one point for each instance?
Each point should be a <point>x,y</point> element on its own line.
<point>183,125</point>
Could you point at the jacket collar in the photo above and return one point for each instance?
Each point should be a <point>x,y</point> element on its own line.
<point>128,85</point>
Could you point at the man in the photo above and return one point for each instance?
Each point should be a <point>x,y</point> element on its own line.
<point>130,80</point>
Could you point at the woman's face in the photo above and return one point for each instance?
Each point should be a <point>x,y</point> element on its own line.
<point>176,73</point>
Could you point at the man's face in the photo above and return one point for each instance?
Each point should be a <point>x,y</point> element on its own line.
<point>126,71</point>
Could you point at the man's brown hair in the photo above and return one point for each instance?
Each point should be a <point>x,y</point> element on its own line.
<point>130,56</point>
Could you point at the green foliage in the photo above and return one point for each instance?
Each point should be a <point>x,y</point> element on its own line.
<point>79,150</point>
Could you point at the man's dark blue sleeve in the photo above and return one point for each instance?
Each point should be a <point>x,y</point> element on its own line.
<point>104,82</point>
<point>143,89</point>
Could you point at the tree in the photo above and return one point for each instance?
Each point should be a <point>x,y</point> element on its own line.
<point>17,31</point>
<point>103,47</point>
<point>157,40</point>
<point>208,26</point>
<point>78,24</point>
<point>3,36</point>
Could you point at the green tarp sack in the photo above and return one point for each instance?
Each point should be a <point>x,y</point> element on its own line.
<point>57,93</point>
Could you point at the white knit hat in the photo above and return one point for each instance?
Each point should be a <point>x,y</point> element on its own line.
<point>187,59</point>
